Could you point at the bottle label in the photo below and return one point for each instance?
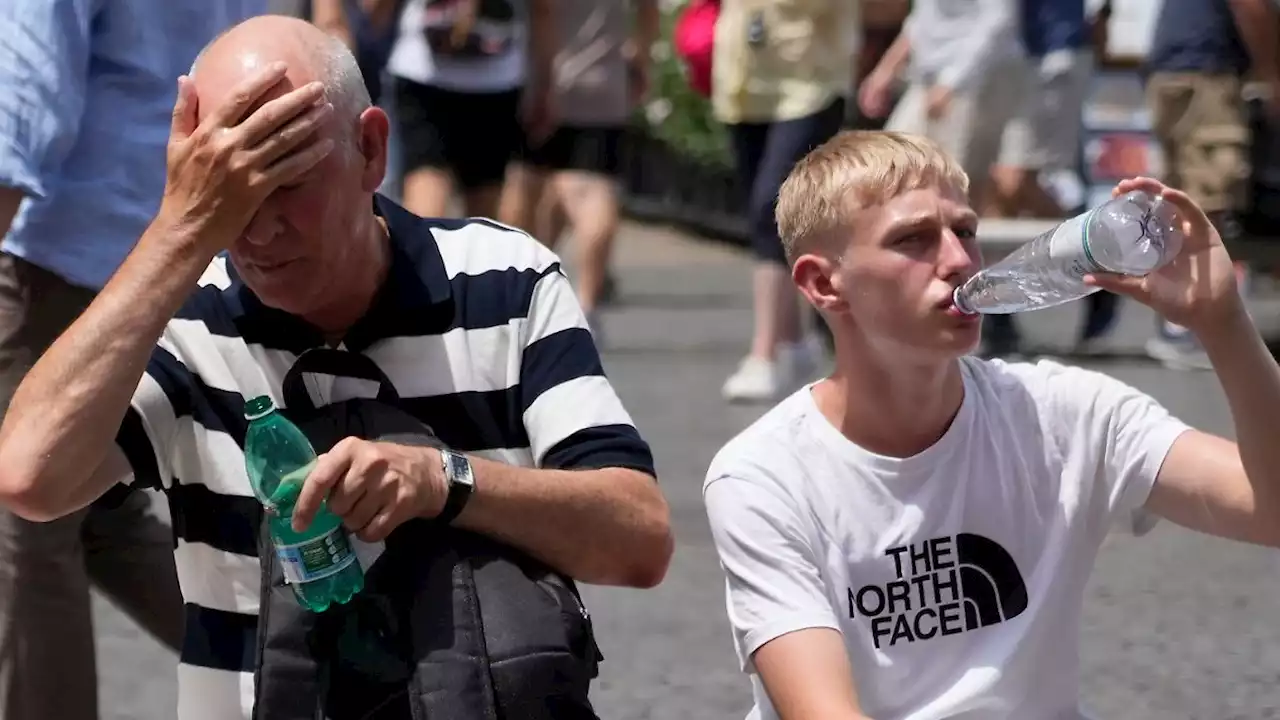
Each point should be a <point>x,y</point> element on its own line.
<point>1069,246</point>
<point>316,558</point>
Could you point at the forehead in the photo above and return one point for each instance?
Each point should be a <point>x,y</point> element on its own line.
<point>930,204</point>
<point>221,73</point>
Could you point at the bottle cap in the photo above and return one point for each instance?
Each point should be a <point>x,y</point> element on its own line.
<point>258,407</point>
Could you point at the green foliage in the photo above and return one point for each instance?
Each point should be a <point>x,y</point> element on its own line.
<point>674,113</point>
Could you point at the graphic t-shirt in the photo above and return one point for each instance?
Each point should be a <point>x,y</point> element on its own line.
<point>956,576</point>
<point>461,45</point>
<point>592,87</point>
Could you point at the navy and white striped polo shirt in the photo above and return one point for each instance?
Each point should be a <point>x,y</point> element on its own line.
<point>477,328</point>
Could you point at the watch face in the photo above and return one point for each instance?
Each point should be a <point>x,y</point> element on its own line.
<point>459,469</point>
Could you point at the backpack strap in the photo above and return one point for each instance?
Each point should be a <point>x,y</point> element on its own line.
<point>338,363</point>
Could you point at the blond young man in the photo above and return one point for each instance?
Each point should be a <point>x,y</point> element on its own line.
<point>912,536</point>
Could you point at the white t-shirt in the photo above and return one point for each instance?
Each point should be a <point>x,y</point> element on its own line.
<point>412,58</point>
<point>957,575</point>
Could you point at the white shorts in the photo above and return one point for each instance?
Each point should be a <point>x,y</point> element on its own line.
<point>972,129</point>
<point>1045,133</point>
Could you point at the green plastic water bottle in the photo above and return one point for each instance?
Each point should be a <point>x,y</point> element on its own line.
<point>318,562</point>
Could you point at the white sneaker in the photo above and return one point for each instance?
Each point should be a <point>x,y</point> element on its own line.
<point>761,380</point>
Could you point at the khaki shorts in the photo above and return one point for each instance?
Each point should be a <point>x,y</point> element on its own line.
<point>1201,123</point>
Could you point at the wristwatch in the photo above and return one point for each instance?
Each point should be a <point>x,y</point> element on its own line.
<point>462,483</point>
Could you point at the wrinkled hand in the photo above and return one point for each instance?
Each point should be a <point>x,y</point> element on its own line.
<point>222,169</point>
<point>373,486</point>
<point>1198,288</point>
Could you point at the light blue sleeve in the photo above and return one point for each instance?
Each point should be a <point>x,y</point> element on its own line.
<point>44,68</point>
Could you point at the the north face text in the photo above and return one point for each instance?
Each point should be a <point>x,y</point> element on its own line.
<point>944,586</point>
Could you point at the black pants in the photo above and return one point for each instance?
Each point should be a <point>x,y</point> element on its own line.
<point>764,155</point>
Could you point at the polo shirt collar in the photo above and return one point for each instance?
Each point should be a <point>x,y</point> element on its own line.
<point>416,292</point>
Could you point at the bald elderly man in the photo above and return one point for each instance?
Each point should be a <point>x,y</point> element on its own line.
<point>270,241</point>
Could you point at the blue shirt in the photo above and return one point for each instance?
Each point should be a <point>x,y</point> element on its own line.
<point>86,99</point>
<point>1052,25</point>
<point>1197,36</point>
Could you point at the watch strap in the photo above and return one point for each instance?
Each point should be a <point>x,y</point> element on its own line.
<point>461,483</point>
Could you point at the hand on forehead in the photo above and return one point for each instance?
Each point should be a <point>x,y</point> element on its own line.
<point>248,48</point>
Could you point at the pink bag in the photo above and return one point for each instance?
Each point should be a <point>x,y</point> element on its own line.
<point>694,38</point>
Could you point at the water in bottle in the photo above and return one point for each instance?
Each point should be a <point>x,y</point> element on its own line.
<point>318,562</point>
<point>1133,234</point>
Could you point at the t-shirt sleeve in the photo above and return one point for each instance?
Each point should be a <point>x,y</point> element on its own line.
<point>1140,432</point>
<point>147,431</point>
<point>772,571</point>
<point>1133,430</point>
<point>571,412</point>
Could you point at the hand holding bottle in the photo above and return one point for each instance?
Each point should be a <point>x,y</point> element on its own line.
<point>1198,287</point>
<point>373,486</point>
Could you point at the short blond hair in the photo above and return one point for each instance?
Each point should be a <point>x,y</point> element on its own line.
<point>851,171</point>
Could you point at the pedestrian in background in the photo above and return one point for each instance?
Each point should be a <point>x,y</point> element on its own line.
<point>470,78</point>
<point>570,179</point>
<point>782,73</point>
<point>1201,55</point>
<point>86,94</point>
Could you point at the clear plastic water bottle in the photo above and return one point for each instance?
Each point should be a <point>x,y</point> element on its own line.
<point>1133,234</point>
<point>318,562</point>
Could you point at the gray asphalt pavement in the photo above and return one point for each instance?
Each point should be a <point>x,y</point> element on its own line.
<point>1177,626</point>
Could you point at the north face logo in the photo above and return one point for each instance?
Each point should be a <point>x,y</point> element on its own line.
<point>945,586</point>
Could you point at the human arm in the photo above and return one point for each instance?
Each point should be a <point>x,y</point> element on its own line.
<point>639,48</point>
<point>331,17</point>
<point>544,43</point>
<point>64,416</point>
<point>1207,483</point>
<point>782,620</point>
<point>1223,488</point>
<point>876,90</point>
<point>380,14</point>
<point>589,507</point>
<point>1256,21</point>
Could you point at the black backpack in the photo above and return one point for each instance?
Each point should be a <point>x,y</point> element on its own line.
<point>450,625</point>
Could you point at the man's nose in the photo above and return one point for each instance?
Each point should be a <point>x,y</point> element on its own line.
<point>958,255</point>
<point>263,228</point>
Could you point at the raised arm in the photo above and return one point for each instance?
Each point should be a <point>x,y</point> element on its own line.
<point>591,509</point>
<point>64,417</point>
<point>1209,483</point>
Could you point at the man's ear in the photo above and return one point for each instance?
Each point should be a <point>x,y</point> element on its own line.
<point>374,129</point>
<point>817,278</point>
